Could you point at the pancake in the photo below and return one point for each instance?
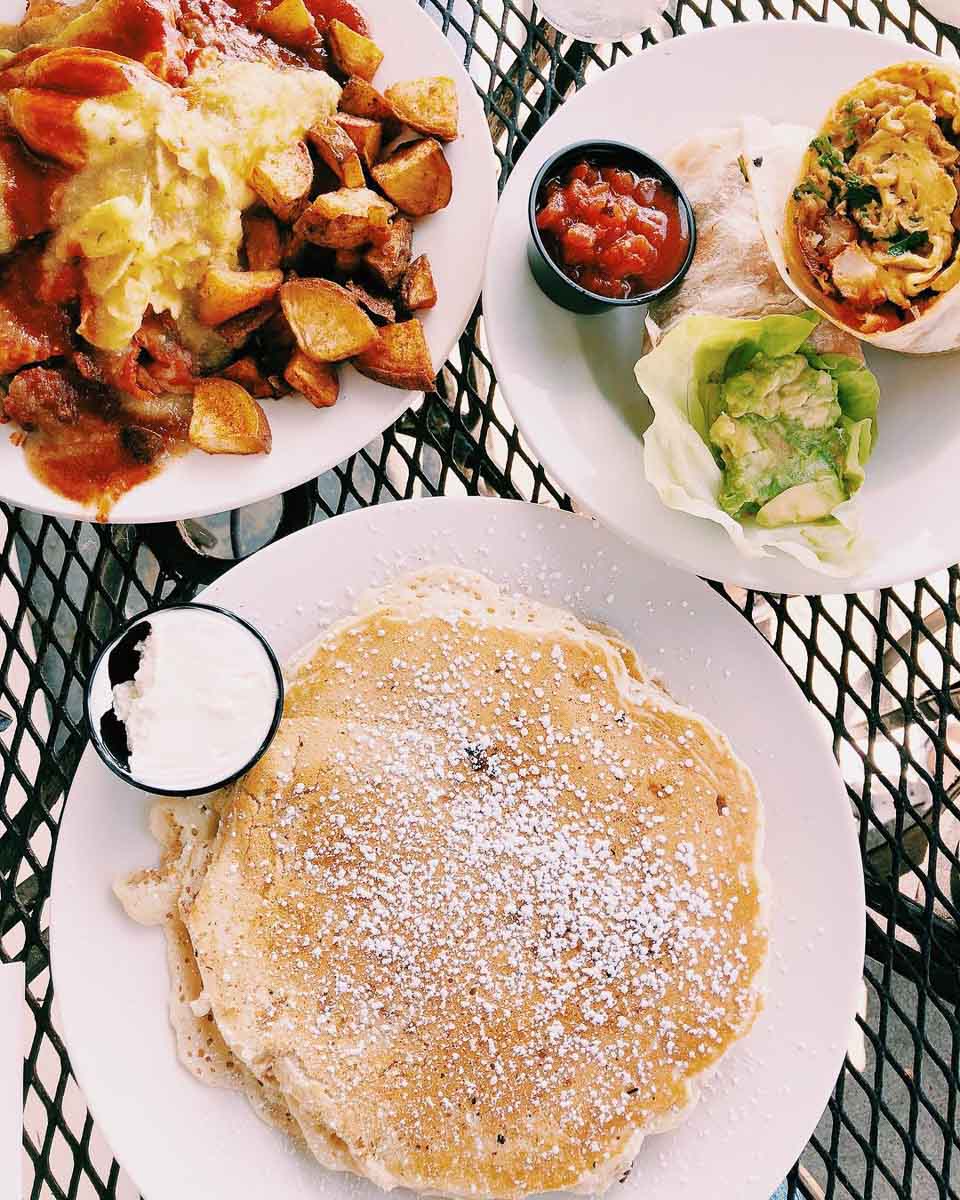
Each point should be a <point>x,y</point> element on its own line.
<point>185,829</point>
<point>491,906</point>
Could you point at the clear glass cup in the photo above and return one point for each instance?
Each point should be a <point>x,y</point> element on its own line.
<point>603,20</point>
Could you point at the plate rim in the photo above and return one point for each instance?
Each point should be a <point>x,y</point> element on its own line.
<point>818,584</point>
<point>844,832</point>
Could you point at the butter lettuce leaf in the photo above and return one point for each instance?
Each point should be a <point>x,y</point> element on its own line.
<point>766,443</point>
<point>857,389</point>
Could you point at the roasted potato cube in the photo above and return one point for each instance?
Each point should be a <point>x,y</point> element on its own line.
<point>45,120</point>
<point>237,331</point>
<point>390,259</point>
<point>261,240</point>
<point>75,69</point>
<point>227,420</point>
<point>290,23</point>
<point>346,218</point>
<point>362,99</point>
<point>417,178</point>
<point>273,346</point>
<point>292,247</point>
<point>427,105</point>
<point>418,289</point>
<point>336,148</point>
<point>318,381</point>
<point>246,372</point>
<point>399,358</point>
<point>282,179</point>
<point>325,319</point>
<point>365,134</point>
<point>224,293</point>
<point>352,53</point>
<point>379,307</point>
<point>347,261</point>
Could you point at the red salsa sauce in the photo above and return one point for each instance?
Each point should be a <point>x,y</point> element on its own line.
<point>612,231</point>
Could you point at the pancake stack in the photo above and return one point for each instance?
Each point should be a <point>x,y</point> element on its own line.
<point>486,913</point>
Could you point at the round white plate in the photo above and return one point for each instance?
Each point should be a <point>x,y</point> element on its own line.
<point>569,380</point>
<point>182,1140</point>
<point>307,441</point>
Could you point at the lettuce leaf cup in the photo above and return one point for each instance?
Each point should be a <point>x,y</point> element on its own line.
<point>756,430</point>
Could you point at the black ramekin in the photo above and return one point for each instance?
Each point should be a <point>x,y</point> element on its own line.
<point>550,278</point>
<point>117,767</point>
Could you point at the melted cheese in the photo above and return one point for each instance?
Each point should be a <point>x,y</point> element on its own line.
<point>160,196</point>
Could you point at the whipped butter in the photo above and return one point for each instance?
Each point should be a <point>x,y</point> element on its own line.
<point>201,702</point>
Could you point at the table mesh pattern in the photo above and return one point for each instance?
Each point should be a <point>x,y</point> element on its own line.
<point>881,669</point>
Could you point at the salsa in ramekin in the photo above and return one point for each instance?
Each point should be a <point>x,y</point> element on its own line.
<point>611,223</point>
<point>612,231</point>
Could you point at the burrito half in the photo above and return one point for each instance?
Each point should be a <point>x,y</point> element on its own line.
<point>862,217</point>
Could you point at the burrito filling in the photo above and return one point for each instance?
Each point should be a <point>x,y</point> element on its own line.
<point>876,212</point>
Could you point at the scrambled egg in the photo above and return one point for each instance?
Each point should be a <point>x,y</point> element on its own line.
<point>876,207</point>
<point>160,196</point>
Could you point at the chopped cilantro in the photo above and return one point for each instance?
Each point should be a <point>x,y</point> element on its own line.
<point>859,194</point>
<point>908,242</point>
<point>850,126</point>
<point>807,188</point>
<point>827,154</point>
<point>856,192</point>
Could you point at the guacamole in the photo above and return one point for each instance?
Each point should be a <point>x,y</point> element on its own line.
<point>783,442</point>
<point>758,431</point>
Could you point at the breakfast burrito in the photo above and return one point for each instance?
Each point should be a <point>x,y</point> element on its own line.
<point>764,415</point>
<point>732,273</point>
<point>862,216</point>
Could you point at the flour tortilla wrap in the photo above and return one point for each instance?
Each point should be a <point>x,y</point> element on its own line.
<point>779,160</point>
<point>733,273</point>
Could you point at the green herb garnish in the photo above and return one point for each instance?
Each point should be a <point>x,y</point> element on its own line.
<point>850,125</point>
<point>807,188</point>
<point>908,242</point>
<point>828,156</point>
<point>859,194</point>
<point>856,192</point>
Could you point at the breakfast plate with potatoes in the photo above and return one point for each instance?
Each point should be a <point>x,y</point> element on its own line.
<point>236,242</point>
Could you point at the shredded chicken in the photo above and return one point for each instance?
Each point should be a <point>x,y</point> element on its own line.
<point>169,367</point>
<point>857,279</point>
<point>156,364</point>
<point>836,233</point>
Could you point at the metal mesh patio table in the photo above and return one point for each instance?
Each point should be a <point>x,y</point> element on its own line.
<point>881,670</point>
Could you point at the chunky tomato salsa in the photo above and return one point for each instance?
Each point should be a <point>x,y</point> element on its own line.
<point>612,231</point>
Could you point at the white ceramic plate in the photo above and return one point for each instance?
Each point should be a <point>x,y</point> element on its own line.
<point>182,1140</point>
<point>307,441</point>
<point>569,380</point>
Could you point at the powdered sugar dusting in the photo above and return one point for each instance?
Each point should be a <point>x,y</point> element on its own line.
<point>508,901</point>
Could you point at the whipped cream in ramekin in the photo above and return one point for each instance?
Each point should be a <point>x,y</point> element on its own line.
<point>201,703</point>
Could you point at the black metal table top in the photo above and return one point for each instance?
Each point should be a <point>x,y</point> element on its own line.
<point>882,670</point>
